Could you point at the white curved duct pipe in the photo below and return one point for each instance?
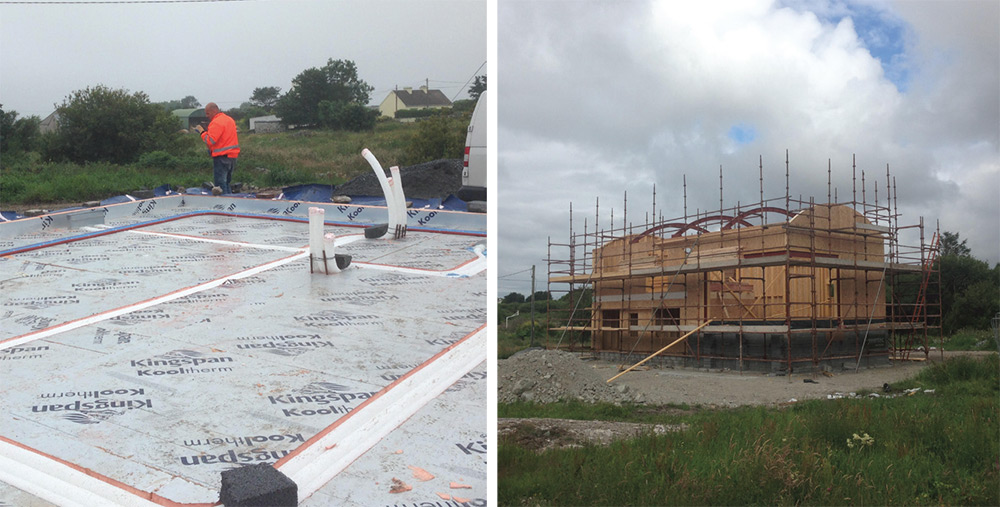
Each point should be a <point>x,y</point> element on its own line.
<point>386,190</point>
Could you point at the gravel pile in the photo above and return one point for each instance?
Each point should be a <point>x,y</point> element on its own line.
<point>547,376</point>
<point>436,179</point>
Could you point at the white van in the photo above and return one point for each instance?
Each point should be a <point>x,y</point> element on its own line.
<point>474,164</point>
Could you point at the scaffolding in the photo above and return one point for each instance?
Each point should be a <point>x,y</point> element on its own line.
<point>780,284</point>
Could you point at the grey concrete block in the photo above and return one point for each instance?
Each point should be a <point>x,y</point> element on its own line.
<point>376,231</point>
<point>257,485</point>
<point>343,260</point>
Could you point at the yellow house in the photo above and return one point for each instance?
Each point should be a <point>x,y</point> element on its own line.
<point>408,98</point>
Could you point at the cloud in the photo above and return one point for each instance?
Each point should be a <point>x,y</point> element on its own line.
<point>221,51</point>
<point>617,98</point>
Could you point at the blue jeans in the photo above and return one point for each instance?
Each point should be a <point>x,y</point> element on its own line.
<point>223,171</point>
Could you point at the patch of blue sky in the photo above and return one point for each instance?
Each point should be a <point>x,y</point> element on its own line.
<point>882,32</point>
<point>741,133</point>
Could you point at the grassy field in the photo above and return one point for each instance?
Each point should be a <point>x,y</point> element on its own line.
<point>970,339</point>
<point>266,161</point>
<point>941,448</point>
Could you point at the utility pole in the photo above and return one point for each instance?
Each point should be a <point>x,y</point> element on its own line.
<point>532,344</point>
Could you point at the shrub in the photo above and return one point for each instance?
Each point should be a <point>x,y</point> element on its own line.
<point>158,158</point>
<point>421,113</point>
<point>437,137</point>
<point>463,106</point>
<point>101,124</point>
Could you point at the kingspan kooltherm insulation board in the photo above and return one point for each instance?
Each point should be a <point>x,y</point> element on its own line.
<point>146,347</point>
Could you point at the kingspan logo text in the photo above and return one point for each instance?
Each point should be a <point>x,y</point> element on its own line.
<point>246,441</point>
<point>82,406</point>
<point>185,361</point>
<point>96,393</point>
<point>180,362</point>
<point>259,455</point>
<point>326,394</point>
<point>330,318</point>
<point>319,399</point>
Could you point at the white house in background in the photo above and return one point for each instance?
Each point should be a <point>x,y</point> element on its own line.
<point>266,124</point>
<point>50,123</point>
<point>408,98</point>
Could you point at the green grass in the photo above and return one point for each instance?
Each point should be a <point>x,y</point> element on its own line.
<point>64,182</point>
<point>510,342</point>
<point>326,156</point>
<point>574,409</point>
<point>266,161</point>
<point>941,448</point>
<point>971,339</point>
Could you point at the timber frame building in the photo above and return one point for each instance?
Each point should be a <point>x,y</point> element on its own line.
<point>781,285</point>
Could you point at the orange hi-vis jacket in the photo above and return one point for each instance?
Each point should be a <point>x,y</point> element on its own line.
<point>220,136</point>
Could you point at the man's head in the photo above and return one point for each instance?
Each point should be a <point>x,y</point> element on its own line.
<point>211,109</point>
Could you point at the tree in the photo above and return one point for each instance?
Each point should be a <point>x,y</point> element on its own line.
<point>513,297</point>
<point>344,116</point>
<point>540,296</point>
<point>266,97</point>
<point>101,124</point>
<point>969,288</point>
<point>169,105</point>
<point>951,246</point>
<point>337,81</point>
<point>975,306</point>
<point>478,87</point>
<point>17,134</point>
<point>963,301</point>
<point>246,110</point>
<point>189,102</point>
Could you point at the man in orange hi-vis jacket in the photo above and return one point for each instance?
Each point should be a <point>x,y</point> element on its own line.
<point>223,146</point>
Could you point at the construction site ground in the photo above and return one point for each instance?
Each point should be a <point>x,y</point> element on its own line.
<point>149,346</point>
<point>676,391</point>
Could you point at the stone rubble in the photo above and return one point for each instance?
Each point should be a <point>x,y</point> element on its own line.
<point>548,376</point>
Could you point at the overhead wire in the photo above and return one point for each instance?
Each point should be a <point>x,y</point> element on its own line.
<point>105,2</point>
<point>469,81</point>
<point>515,273</point>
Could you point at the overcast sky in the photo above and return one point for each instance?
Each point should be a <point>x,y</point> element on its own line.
<point>599,98</point>
<point>221,51</point>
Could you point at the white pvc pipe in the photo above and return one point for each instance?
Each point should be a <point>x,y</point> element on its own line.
<point>316,217</point>
<point>400,199</point>
<point>391,202</point>
<point>380,173</point>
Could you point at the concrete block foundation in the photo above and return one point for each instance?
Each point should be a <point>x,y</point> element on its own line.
<point>769,352</point>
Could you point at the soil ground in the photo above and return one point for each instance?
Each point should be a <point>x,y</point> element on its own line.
<point>544,434</point>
